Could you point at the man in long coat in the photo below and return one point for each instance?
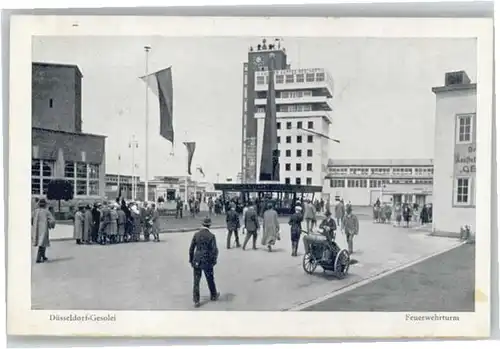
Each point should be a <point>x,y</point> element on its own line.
<point>87,225</point>
<point>155,222</point>
<point>203,254</point>
<point>96,222</point>
<point>122,221</point>
<point>233,224</point>
<point>309,215</point>
<point>270,227</point>
<point>295,223</point>
<point>339,212</point>
<point>351,228</point>
<point>78,224</point>
<point>104,227</point>
<point>41,222</point>
<point>251,225</point>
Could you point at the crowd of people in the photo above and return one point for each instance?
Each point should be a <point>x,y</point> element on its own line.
<point>102,223</point>
<point>402,213</point>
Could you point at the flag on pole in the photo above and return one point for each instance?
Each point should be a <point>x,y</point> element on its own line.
<point>269,171</point>
<point>161,85</point>
<point>190,146</point>
<point>201,171</point>
<point>321,135</point>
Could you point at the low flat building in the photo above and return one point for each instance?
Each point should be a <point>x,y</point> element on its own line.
<point>455,154</point>
<point>363,181</point>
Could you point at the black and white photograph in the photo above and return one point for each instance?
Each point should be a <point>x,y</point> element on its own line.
<point>209,175</point>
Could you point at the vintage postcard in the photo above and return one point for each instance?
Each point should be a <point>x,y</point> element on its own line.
<point>249,177</point>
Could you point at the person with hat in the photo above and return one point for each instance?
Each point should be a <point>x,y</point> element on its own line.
<point>41,222</point>
<point>79,221</point>
<point>309,215</point>
<point>251,224</point>
<point>113,223</point>
<point>351,227</point>
<point>87,225</point>
<point>233,224</point>
<point>105,224</point>
<point>270,227</point>
<point>96,220</point>
<point>295,223</point>
<point>203,255</point>
<point>155,222</point>
<point>328,226</point>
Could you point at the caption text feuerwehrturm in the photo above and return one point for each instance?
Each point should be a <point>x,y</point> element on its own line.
<point>435,317</point>
<point>83,318</point>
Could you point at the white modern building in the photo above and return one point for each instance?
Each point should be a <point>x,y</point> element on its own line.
<point>303,105</point>
<point>303,113</point>
<point>455,154</point>
<point>362,182</point>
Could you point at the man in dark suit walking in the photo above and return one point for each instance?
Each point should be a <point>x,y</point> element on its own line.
<point>251,222</point>
<point>203,254</point>
<point>233,224</point>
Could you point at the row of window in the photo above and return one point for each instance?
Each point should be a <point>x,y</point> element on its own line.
<point>288,139</point>
<point>372,183</point>
<point>292,78</point>
<point>463,191</point>
<point>298,167</point>
<point>295,94</point>
<point>396,171</point>
<point>310,125</point>
<point>85,177</point>
<point>298,153</point>
<point>298,180</point>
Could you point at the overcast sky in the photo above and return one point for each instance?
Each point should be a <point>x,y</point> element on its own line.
<point>382,98</point>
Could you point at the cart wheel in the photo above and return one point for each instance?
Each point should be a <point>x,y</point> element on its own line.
<point>341,264</point>
<point>309,263</point>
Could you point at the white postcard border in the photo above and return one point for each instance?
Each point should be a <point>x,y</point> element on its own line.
<point>24,321</point>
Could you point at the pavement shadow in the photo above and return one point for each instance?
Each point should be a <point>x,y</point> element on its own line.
<point>224,297</point>
<point>57,260</point>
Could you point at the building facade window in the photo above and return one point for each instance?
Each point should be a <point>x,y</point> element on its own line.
<point>359,171</point>
<point>310,77</point>
<point>299,77</point>
<point>278,125</point>
<point>288,153</point>
<point>289,139</point>
<point>289,125</point>
<point>356,183</point>
<point>320,76</point>
<point>289,78</point>
<point>310,139</point>
<point>309,167</point>
<point>298,181</point>
<point>279,79</point>
<point>299,139</point>
<point>464,128</point>
<point>287,180</point>
<point>298,167</point>
<point>310,125</point>
<point>261,80</point>
<point>278,139</point>
<point>308,181</point>
<point>337,183</point>
<point>309,153</point>
<point>42,172</point>
<point>380,171</point>
<point>299,153</point>
<point>299,124</point>
<point>463,191</point>
<point>287,167</point>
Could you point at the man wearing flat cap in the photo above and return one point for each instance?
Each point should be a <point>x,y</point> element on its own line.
<point>203,254</point>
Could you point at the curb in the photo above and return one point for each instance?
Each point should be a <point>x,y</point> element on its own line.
<point>166,231</point>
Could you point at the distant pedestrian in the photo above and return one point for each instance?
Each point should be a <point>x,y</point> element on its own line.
<point>339,212</point>
<point>309,215</point>
<point>270,227</point>
<point>113,223</point>
<point>251,222</point>
<point>295,223</point>
<point>96,220</point>
<point>407,214</point>
<point>351,228</point>
<point>122,221</point>
<point>41,222</point>
<point>87,225</point>
<point>78,224</point>
<point>203,255</point>
<point>155,223</point>
<point>233,225</point>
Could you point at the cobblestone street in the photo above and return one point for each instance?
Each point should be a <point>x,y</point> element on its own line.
<point>157,276</point>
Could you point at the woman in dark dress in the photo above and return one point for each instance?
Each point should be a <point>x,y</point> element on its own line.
<point>407,214</point>
<point>295,223</point>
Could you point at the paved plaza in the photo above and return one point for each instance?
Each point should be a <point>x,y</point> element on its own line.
<point>157,276</point>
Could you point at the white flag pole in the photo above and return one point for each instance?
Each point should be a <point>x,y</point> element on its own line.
<point>146,179</point>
